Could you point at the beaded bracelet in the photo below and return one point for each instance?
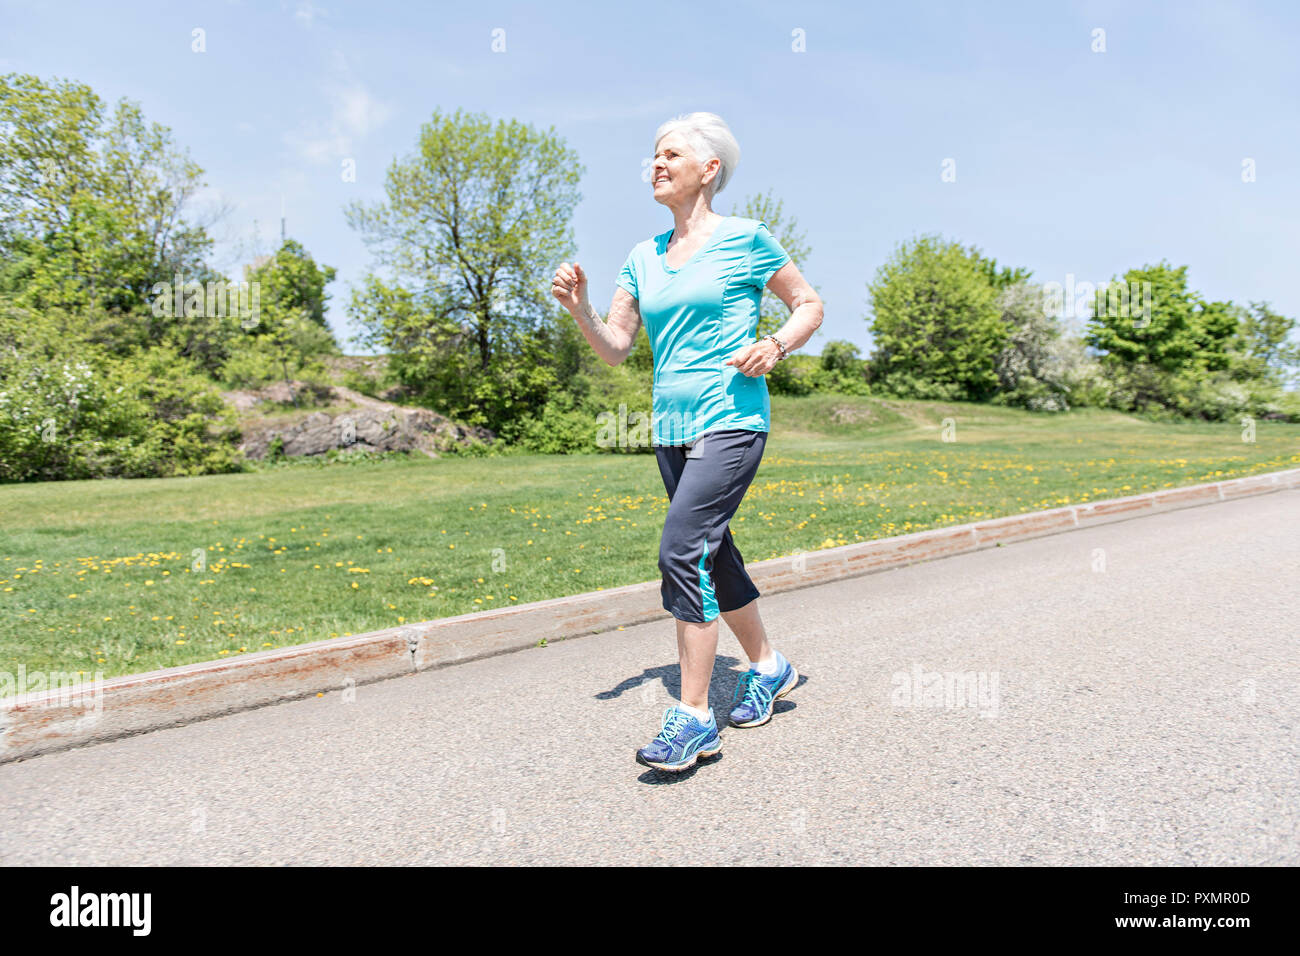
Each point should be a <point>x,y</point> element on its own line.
<point>779,344</point>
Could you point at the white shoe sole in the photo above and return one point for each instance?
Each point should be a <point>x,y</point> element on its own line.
<point>678,768</point>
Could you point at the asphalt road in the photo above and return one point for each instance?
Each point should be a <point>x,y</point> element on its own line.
<point>1133,700</point>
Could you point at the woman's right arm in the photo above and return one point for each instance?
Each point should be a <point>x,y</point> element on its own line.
<point>611,339</point>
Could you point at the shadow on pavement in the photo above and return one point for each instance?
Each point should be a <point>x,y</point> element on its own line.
<point>720,687</point>
<point>659,778</point>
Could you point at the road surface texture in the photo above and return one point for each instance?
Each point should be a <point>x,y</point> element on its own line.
<point>1134,702</point>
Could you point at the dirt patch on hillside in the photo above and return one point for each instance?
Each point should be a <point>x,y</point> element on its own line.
<point>854,415</point>
<point>350,421</point>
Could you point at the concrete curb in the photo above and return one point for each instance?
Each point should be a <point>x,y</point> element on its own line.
<point>58,719</point>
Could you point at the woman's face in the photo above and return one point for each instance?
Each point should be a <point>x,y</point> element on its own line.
<point>676,171</point>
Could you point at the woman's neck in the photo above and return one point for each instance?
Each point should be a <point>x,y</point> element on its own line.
<point>699,219</point>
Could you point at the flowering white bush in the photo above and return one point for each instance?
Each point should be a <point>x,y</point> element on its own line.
<point>1037,363</point>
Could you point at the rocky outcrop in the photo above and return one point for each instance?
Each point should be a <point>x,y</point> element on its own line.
<point>364,424</point>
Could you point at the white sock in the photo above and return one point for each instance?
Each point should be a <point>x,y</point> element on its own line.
<point>701,715</point>
<point>769,667</point>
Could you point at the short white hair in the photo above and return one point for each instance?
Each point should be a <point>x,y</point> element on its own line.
<point>709,137</point>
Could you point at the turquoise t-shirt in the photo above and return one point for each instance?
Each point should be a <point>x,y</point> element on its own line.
<point>697,316</point>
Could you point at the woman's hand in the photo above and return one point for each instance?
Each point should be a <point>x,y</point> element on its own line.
<point>570,287</point>
<point>756,359</point>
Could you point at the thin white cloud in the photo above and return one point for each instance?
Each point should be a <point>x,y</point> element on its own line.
<point>354,114</point>
<point>306,12</point>
<point>358,112</point>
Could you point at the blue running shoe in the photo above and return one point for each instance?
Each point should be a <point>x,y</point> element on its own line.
<point>758,693</point>
<point>681,742</point>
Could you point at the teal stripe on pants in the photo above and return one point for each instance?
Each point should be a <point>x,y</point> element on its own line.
<point>706,586</point>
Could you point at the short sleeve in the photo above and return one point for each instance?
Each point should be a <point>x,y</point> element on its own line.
<point>765,256</point>
<point>627,276</point>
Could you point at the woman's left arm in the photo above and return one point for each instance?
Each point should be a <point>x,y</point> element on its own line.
<point>806,315</point>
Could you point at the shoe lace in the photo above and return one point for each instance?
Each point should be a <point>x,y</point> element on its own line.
<point>751,690</point>
<point>674,721</point>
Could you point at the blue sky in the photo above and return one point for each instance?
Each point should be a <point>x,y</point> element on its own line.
<point>1068,161</point>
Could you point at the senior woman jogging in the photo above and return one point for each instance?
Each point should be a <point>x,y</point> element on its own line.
<point>697,286</point>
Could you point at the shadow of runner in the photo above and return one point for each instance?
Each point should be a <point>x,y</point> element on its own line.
<point>722,683</point>
<point>658,778</point>
<point>721,688</point>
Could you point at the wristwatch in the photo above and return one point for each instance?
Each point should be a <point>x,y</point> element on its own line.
<point>779,344</point>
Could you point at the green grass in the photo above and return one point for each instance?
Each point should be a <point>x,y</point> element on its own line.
<point>172,571</point>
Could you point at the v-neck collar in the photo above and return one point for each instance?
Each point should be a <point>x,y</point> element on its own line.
<point>713,237</point>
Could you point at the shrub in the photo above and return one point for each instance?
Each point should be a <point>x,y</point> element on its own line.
<point>792,376</point>
<point>367,383</point>
<point>840,381</point>
<point>1219,398</point>
<point>907,385</point>
<point>69,409</point>
<point>560,429</point>
<point>840,355</point>
<point>249,366</point>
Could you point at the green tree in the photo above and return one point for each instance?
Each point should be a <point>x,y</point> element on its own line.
<point>1157,327</point>
<point>841,355</point>
<point>1213,331</point>
<point>94,210</point>
<point>473,225</point>
<point>291,334</point>
<point>46,152</point>
<point>839,369</point>
<point>936,323</point>
<point>292,283</point>
<point>1161,342</point>
<point>1000,278</point>
<point>641,357</point>
<point>772,312</point>
<point>1262,349</point>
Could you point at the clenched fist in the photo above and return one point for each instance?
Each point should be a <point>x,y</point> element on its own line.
<point>570,287</point>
